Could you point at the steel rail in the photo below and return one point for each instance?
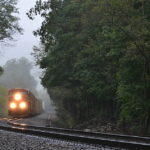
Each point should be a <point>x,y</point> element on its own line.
<point>84,139</point>
<point>95,134</point>
<point>113,140</point>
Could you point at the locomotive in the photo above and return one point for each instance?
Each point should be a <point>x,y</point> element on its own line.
<point>22,103</point>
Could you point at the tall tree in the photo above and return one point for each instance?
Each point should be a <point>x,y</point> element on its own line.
<point>134,71</point>
<point>96,59</point>
<point>8,20</point>
<point>69,38</point>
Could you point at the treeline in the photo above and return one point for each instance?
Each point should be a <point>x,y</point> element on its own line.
<point>96,55</point>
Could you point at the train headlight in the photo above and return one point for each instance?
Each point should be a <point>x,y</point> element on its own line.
<point>23,105</point>
<point>17,96</point>
<point>12,105</point>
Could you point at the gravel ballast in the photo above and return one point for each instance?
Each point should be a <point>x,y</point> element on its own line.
<point>17,141</point>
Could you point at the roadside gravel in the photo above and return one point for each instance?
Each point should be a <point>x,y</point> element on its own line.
<point>17,141</point>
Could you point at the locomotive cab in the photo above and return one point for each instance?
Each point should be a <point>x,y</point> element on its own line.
<point>22,103</point>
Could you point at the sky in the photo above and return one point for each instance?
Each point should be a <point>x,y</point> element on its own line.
<point>24,44</point>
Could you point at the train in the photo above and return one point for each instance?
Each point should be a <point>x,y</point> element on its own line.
<point>22,103</point>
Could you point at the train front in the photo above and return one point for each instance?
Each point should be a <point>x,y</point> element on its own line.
<point>18,105</point>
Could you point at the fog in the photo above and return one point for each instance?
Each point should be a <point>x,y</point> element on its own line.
<point>15,75</point>
<point>20,73</point>
<point>47,102</point>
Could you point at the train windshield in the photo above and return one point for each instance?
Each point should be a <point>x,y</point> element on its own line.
<point>17,94</point>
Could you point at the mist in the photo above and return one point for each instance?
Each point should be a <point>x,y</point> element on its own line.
<point>18,73</point>
<point>47,102</point>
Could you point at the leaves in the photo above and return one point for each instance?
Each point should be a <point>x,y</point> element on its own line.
<point>8,21</point>
<point>99,50</point>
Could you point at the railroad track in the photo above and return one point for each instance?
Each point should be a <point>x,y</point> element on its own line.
<point>111,140</point>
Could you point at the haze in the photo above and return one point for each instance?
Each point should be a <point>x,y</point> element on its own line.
<point>24,43</point>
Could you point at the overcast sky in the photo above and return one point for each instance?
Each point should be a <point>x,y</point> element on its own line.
<point>24,44</point>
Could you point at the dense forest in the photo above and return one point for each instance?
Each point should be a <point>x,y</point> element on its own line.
<point>96,57</point>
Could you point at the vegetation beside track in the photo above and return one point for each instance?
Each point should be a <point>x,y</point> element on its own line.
<point>3,101</point>
<point>96,56</point>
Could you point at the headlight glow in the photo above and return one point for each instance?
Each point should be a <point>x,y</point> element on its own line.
<point>23,105</point>
<point>17,96</point>
<point>12,105</point>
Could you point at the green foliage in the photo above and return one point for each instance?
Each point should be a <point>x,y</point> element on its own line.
<point>8,20</point>
<point>99,52</point>
<point>3,101</point>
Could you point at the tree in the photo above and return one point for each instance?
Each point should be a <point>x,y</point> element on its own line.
<point>68,37</point>
<point>134,71</point>
<point>96,59</point>
<point>8,20</point>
